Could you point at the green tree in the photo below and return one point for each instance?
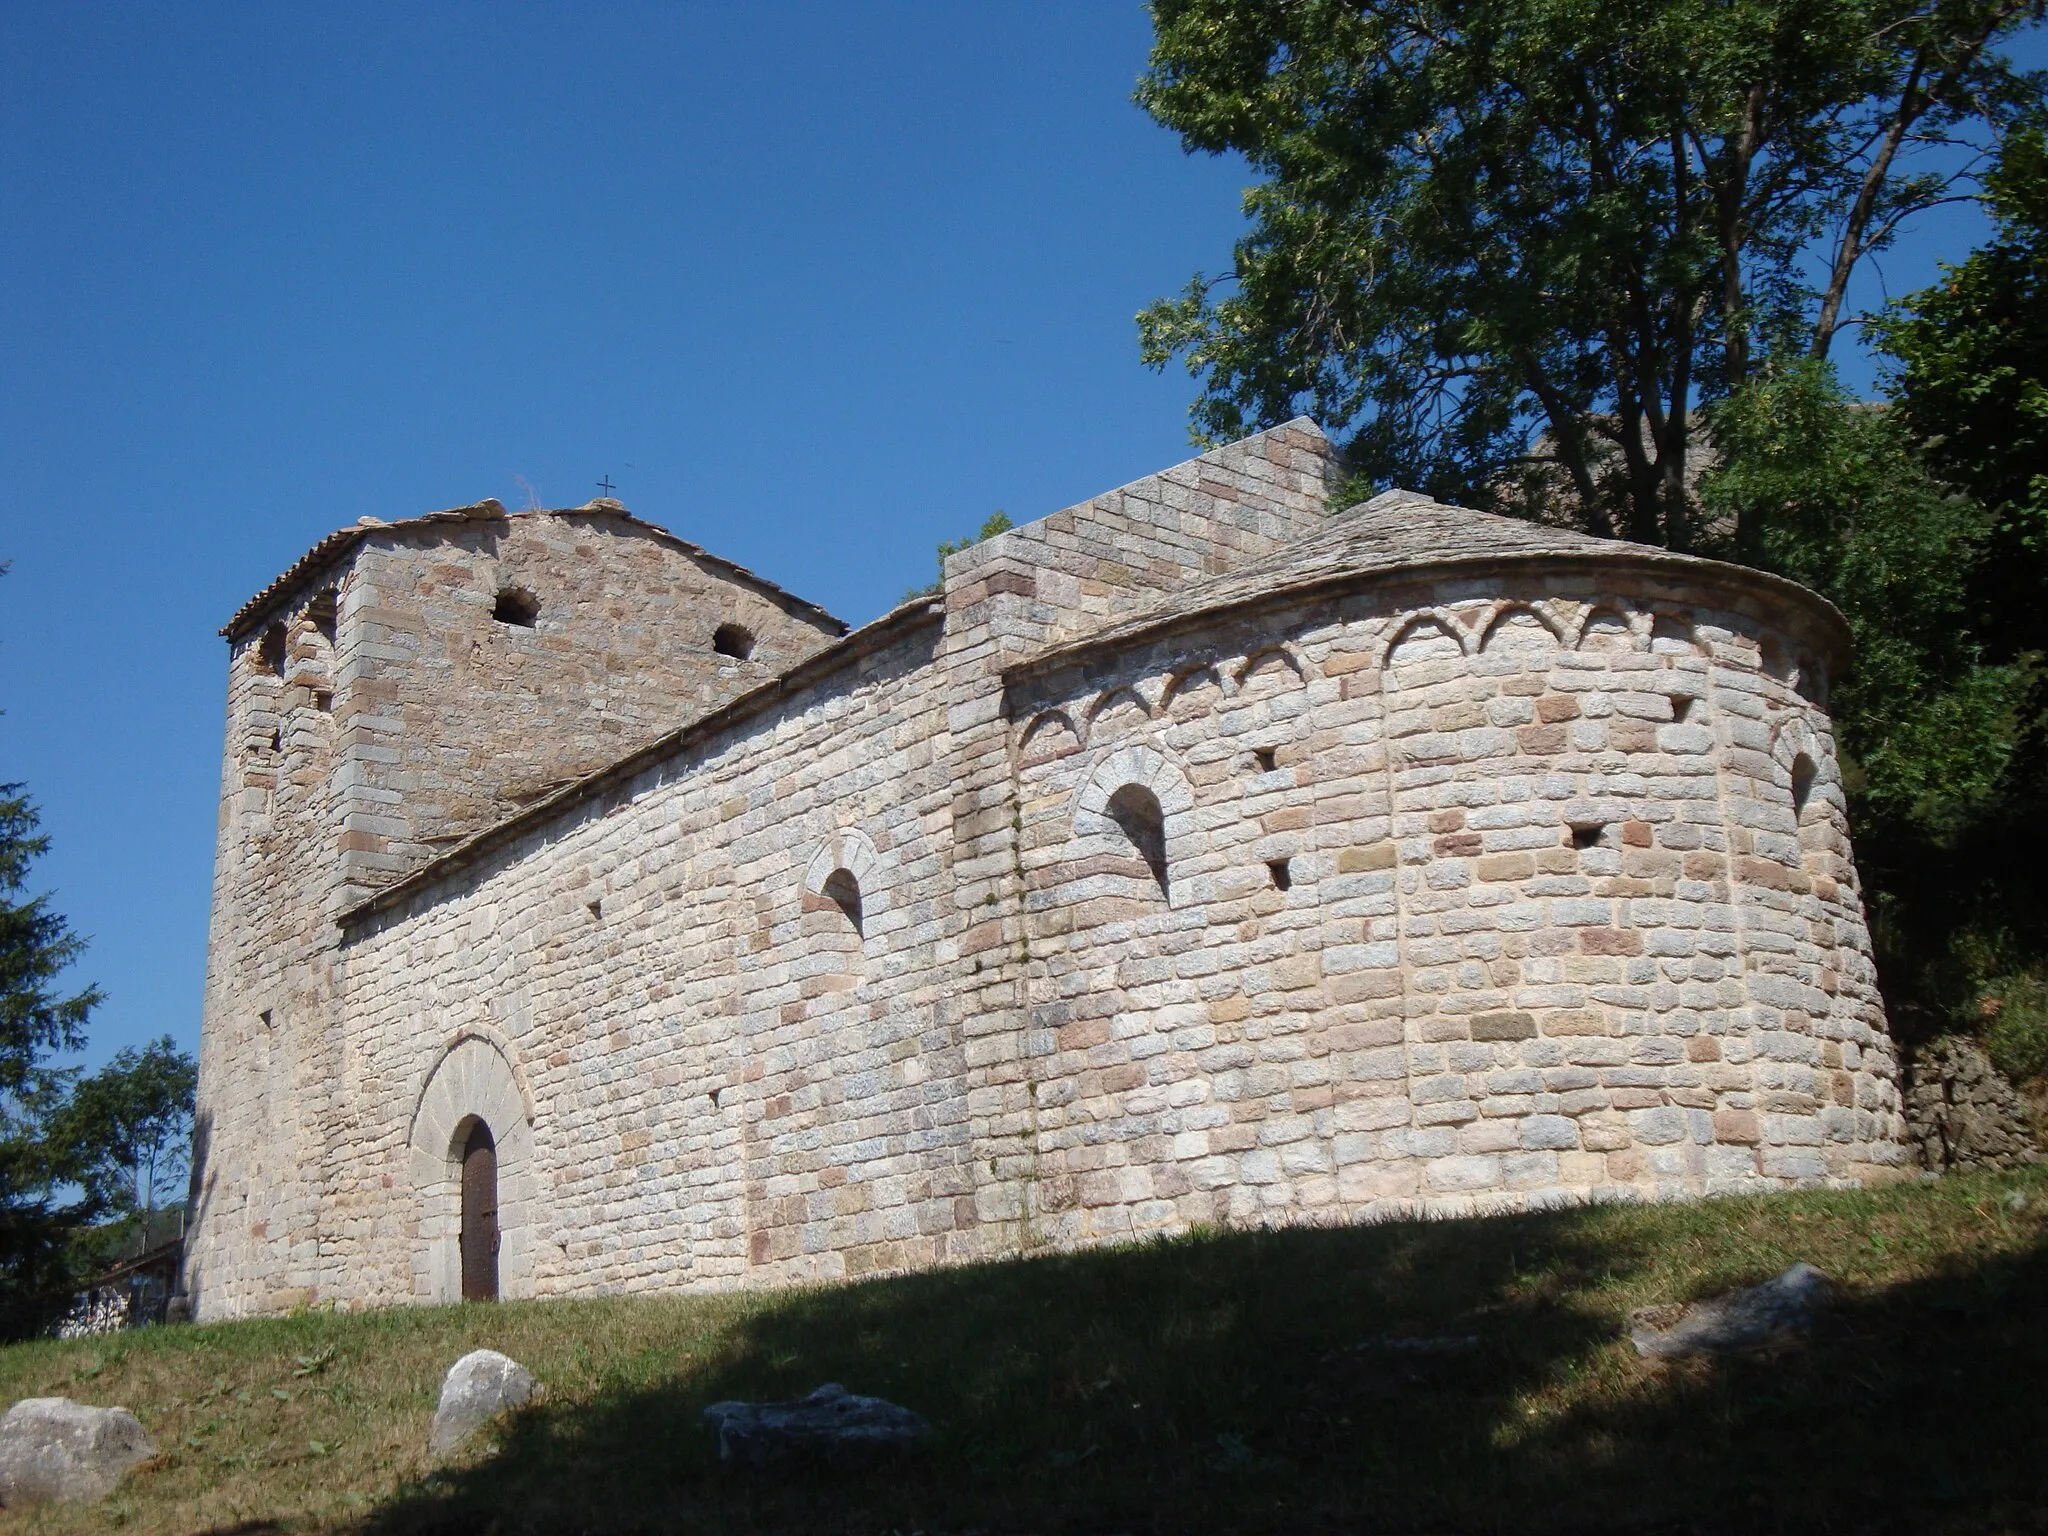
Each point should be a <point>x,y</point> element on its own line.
<point>1970,383</point>
<point>1519,234</point>
<point>998,522</point>
<point>1837,496</point>
<point>1933,723</point>
<point>127,1128</point>
<point>42,1203</point>
<point>1970,378</point>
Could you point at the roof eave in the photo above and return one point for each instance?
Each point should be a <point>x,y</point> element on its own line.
<point>1074,652</point>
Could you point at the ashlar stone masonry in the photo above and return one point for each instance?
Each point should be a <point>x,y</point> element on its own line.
<point>1194,855</point>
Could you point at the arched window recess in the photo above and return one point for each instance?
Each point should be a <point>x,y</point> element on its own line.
<point>1134,806</point>
<point>844,878</point>
<point>842,890</point>
<point>1135,811</point>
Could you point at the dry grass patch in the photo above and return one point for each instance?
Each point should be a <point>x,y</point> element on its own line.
<point>1222,1381</point>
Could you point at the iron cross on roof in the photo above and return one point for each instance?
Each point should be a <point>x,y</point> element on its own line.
<point>606,485</point>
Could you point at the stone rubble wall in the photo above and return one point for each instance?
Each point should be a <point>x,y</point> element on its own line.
<point>729,1079</point>
<point>1454,1006</point>
<point>1080,568</point>
<point>451,721</point>
<point>1962,1112</point>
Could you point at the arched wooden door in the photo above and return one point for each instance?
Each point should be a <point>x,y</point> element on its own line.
<point>480,1215</point>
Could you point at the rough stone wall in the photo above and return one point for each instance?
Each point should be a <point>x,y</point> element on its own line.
<point>1962,1112</point>
<point>1555,944</point>
<point>1013,596</point>
<point>453,721</point>
<point>375,715</point>
<point>1080,568</point>
<point>1521,885</point>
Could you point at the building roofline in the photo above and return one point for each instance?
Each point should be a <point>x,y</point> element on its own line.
<point>869,638</point>
<point>1015,541</point>
<point>324,554</point>
<point>1143,630</point>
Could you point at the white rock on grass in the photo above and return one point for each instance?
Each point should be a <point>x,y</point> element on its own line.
<point>52,1448</point>
<point>478,1387</point>
<point>1774,1315</point>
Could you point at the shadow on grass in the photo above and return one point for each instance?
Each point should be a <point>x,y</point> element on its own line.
<point>1244,1382</point>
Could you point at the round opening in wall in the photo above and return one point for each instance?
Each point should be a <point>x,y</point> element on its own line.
<point>516,606</point>
<point>733,640</point>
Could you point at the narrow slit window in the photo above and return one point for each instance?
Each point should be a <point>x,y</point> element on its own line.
<point>843,891</point>
<point>1135,810</point>
<point>270,651</point>
<point>1283,878</point>
<point>323,701</point>
<point>1804,771</point>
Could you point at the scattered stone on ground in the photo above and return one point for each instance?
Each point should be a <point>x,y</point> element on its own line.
<point>1452,1344</point>
<point>478,1387</point>
<point>52,1448</point>
<point>1961,1111</point>
<point>1778,1313</point>
<point>1426,1347</point>
<point>831,1422</point>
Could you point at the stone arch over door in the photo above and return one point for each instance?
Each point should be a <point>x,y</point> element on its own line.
<point>475,1080</point>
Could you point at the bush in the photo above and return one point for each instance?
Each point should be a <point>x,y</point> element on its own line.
<point>2017,1040</point>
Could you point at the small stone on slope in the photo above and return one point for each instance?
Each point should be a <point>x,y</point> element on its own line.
<point>478,1387</point>
<point>831,1422</point>
<point>1780,1312</point>
<point>52,1448</point>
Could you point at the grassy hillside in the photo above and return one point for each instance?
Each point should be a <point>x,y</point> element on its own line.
<point>1225,1381</point>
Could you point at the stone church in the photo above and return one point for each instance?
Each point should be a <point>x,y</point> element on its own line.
<point>593,915</point>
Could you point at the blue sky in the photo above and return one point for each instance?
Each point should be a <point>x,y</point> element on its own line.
<point>815,285</point>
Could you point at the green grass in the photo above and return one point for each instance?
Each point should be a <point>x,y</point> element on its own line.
<point>1227,1381</point>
